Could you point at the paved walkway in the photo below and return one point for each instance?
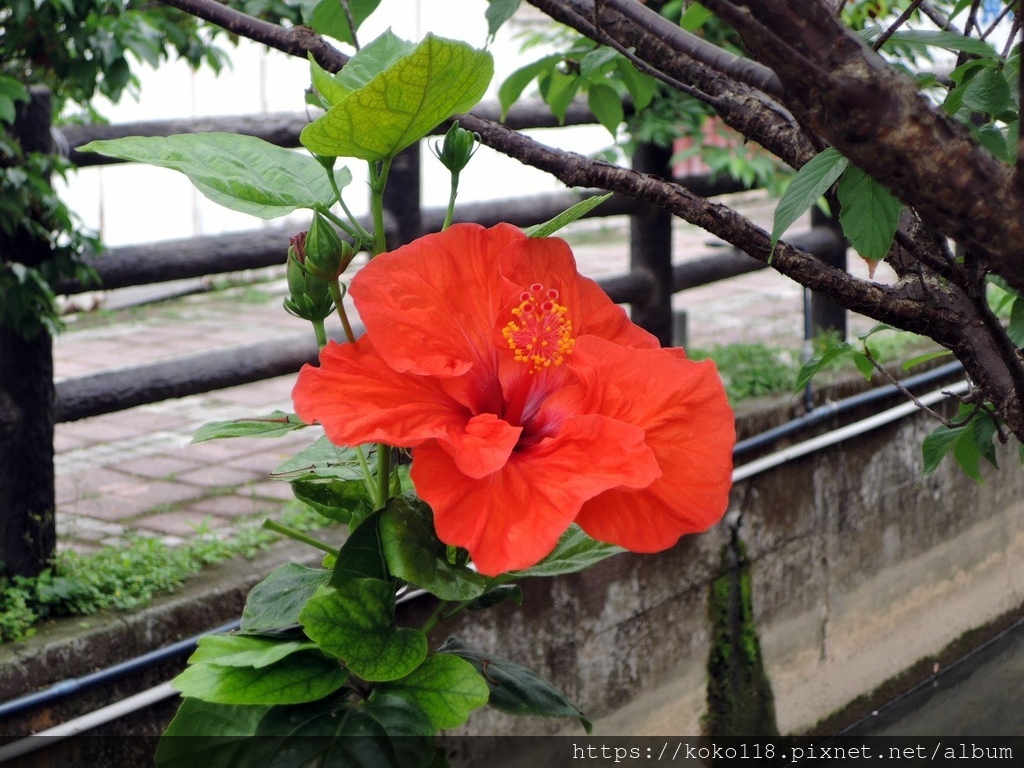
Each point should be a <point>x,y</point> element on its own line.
<point>137,471</point>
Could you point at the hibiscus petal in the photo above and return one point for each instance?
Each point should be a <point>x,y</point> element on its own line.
<point>430,306</point>
<point>512,518</point>
<point>484,446</point>
<point>682,408</point>
<point>359,399</point>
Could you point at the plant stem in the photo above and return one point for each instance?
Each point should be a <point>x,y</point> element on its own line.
<point>291,533</point>
<point>378,179</point>
<point>451,202</point>
<point>383,473</point>
<point>371,488</point>
<point>435,618</point>
<point>338,222</point>
<point>321,333</point>
<point>338,297</point>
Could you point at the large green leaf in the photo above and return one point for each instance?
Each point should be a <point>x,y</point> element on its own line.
<point>322,459</point>
<point>869,214</point>
<point>272,425</point>
<point>415,554</point>
<point>514,84</point>
<point>497,13</point>
<point>360,557</point>
<point>246,651</point>
<point>514,688</point>
<point>936,445</point>
<point>355,622</point>
<point>299,678</point>
<point>444,686</point>
<point>385,733</point>
<point>606,105</point>
<point>276,601</point>
<point>344,501</point>
<point>810,183</point>
<point>404,102</point>
<point>242,173</point>
<point>575,552</point>
<point>209,735</point>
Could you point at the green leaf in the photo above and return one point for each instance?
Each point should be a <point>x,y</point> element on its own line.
<point>327,85</point>
<point>360,557</point>
<point>640,86</point>
<point>1015,330</point>
<point>277,601</point>
<point>328,18</point>
<point>242,173</point>
<point>694,17</point>
<point>568,216</point>
<point>499,594</point>
<point>811,368</point>
<point>385,733</point>
<point>497,13</point>
<point>299,678</point>
<point>374,59</point>
<point>355,622</point>
<point>514,688</point>
<point>869,215</point>
<point>597,60</point>
<point>987,92</point>
<point>575,552</point>
<point>344,501</point>
<point>951,41</point>
<point>514,84</point>
<point>606,105</point>
<point>402,104</point>
<point>924,358</point>
<point>558,90</point>
<point>936,445</point>
<point>323,459</point>
<point>864,364</point>
<point>210,735</point>
<point>446,687</point>
<point>245,651</point>
<point>272,425</point>
<point>810,183</point>
<point>415,554</point>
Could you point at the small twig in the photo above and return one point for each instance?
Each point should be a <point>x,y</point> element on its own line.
<point>994,24</point>
<point>897,24</point>
<point>941,21</point>
<point>1012,37</point>
<point>903,390</point>
<point>347,8</point>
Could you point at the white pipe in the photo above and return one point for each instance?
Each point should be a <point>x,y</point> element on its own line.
<point>836,436</point>
<point>100,717</point>
<point>165,691</point>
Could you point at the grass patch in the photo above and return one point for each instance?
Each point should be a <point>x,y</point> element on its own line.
<point>751,370</point>
<point>126,576</point>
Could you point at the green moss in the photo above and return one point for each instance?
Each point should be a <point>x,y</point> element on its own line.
<point>740,700</point>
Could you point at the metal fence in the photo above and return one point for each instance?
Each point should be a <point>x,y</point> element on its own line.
<point>30,403</point>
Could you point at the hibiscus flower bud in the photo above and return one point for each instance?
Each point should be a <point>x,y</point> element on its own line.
<point>458,147</point>
<point>310,295</point>
<point>327,255</point>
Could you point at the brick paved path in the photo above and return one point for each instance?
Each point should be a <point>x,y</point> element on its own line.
<point>136,470</point>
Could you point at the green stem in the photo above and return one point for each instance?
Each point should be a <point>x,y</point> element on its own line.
<point>340,223</point>
<point>435,618</point>
<point>383,473</point>
<point>321,333</point>
<point>366,236</point>
<point>291,533</point>
<point>451,202</point>
<point>371,489</point>
<point>378,179</point>
<point>336,294</point>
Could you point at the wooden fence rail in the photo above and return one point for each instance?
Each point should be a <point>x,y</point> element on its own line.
<point>26,486</point>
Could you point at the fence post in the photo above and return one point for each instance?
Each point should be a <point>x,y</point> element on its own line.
<point>402,211</point>
<point>826,315</point>
<point>650,248</point>
<point>27,523</point>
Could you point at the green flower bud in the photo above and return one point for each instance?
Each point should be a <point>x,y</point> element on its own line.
<point>327,255</point>
<point>459,146</point>
<point>310,295</point>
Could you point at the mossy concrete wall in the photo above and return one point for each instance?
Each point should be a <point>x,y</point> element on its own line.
<point>859,568</point>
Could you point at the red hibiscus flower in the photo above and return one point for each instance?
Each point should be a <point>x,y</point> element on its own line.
<point>530,398</point>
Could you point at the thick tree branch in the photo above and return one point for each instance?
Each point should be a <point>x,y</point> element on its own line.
<point>876,117</point>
